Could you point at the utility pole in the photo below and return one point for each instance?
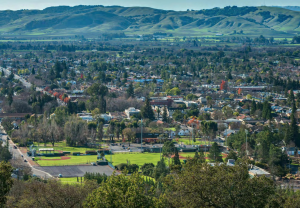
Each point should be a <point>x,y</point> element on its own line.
<point>246,131</point>
<point>160,148</point>
<point>141,135</point>
<point>192,134</point>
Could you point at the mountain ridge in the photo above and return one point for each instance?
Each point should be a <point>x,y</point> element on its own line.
<point>63,20</point>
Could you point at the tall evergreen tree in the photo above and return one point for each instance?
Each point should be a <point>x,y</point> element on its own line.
<point>164,115</point>
<point>176,160</point>
<point>253,107</point>
<point>294,130</point>
<point>202,158</point>
<point>147,111</point>
<point>214,153</point>
<point>266,112</point>
<point>32,71</point>
<point>130,91</point>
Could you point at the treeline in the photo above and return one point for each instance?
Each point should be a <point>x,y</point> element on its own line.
<point>197,177</point>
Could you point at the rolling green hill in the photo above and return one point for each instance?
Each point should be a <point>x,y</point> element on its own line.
<point>64,20</point>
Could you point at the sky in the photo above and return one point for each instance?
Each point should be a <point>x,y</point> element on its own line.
<point>179,5</point>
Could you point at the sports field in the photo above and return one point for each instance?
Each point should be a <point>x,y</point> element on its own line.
<point>134,158</point>
<point>66,160</point>
<point>62,147</point>
<point>130,158</point>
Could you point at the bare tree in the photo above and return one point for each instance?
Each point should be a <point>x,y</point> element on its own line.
<point>76,131</point>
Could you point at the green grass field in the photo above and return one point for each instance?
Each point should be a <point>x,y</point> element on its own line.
<point>134,158</point>
<point>61,146</point>
<point>71,180</point>
<point>74,160</point>
<point>190,142</point>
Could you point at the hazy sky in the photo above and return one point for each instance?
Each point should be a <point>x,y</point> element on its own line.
<point>160,4</point>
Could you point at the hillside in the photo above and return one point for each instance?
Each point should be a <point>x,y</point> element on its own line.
<point>64,20</point>
<point>293,8</point>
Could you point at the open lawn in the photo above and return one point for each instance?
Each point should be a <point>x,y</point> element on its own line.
<point>190,142</point>
<point>134,158</point>
<point>69,160</point>
<point>61,146</point>
<point>71,180</point>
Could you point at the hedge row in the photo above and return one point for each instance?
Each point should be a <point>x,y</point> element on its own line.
<point>91,152</point>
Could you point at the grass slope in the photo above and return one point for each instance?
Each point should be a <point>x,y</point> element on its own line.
<point>269,21</point>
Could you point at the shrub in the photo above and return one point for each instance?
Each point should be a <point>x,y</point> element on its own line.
<point>121,166</point>
<point>91,152</point>
<point>147,169</point>
<point>261,165</point>
<point>133,168</point>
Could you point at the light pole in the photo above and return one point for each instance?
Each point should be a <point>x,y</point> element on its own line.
<point>160,148</point>
<point>141,135</point>
<point>246,131</point>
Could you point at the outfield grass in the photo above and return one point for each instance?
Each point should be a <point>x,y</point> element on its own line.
<point>71,180</point>
<point>74,160</point>
<point>134,158</point>
<point>191,142</point>
<point>61,146</point>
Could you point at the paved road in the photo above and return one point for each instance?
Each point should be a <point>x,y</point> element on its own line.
<point>16,153</point>
<point>24,82</point>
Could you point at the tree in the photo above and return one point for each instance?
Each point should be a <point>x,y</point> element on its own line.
<point>239,91</point>
<point>32,71</point>
<point>76,132</point>
<point>51,193</point>
<point>227,111</point>
<point>195,186</point>
<point>147,111</point>
<point>7,124</point>
<point>130,91</point>
<point>129,133</point>
<point>5,154</point>
<point>294,130</point>
<point>100,131</point>
<point>161,170</point>
<point>122,191</point>
<point>158,112</point>
<point>176,161</point>
<point>223,85</point>
<point>6,181</point>
<point>178,115</point>
<point>55,133</point>
<point>147,169</point>
<point>174,91</point>
<point>232,155</point>
<point>165,115</point>
<point>168,149</point>
<point>253,107</point>
<point>214,153</point>
<point>267,111</point>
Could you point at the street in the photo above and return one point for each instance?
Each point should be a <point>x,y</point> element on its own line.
<point>16,154</point>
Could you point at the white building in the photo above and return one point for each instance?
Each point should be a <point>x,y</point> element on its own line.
<point>131,111</point>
